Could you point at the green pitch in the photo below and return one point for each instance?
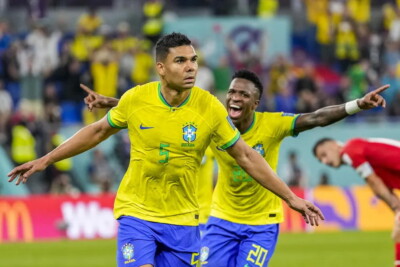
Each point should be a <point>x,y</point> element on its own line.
<point>345,249</point>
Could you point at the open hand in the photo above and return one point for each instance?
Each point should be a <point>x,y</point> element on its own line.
<point>311,213</point>
<point>24,171</point>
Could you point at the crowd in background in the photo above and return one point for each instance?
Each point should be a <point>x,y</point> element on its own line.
<point>341,55</point>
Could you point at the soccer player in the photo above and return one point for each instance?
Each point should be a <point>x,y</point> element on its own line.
<point>244,222</point>
<point>170,124</point>
<point>374,159</point>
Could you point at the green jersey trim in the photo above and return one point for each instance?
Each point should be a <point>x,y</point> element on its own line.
<point>232,142</point>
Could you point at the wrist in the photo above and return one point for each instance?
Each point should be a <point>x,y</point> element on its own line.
<point>352,107</point>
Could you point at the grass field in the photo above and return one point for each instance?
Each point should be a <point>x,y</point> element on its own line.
<point>345,249</point>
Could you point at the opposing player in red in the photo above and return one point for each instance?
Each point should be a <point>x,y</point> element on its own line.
<point>377,160</point>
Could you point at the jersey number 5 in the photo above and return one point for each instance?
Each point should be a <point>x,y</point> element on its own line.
<point>164,152</point>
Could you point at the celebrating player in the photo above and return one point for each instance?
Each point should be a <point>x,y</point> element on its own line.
<point>244,222</point>
<point>170,125</point>
<point>377,161</point>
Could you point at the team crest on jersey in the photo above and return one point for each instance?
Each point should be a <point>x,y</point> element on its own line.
<point>189,132</point>
<point>128,252</point>
<point>260,149</point>
<point>204,254</point>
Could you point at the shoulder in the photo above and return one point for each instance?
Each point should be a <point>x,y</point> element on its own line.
<point>142,90</point>
<point>355,143</point>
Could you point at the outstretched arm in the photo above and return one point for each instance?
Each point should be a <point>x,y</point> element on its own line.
<point>85,139</point>
<point>383,192</point>
<point>95,100</point>
<point>328,115</point>
<point>259,169</point>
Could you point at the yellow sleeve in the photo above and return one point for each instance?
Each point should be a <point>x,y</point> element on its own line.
<point>225,133</point>
<point>117,117</point>
<point>286,124</point>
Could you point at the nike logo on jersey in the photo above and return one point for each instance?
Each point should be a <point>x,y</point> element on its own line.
<point>144,127</point>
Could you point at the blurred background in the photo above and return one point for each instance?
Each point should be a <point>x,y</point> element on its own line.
<point>308,54</point>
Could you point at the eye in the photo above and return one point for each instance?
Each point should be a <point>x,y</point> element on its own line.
<point>194,59</point>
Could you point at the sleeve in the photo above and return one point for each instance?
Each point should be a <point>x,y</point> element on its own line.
<point>353,155</point>
<point>117,116</point>
<point>285,124</point>
<point>225,133</point>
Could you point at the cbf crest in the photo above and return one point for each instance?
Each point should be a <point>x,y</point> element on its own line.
<point>260,149</point>
<point>128,252</point>
<point>189,132</point>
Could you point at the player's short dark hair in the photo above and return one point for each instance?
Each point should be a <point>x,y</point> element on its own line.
<point>250,76</point>
<point>168,41</point>
<point>320,142</point>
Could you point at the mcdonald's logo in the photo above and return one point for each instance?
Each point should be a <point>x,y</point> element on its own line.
<point>9,215</point>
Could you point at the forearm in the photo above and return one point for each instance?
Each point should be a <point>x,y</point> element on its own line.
<point>85,139</point>
<point>259,169</point>
<point>383,193</point>
<point>111,102</point>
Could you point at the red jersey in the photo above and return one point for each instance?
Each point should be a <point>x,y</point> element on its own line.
<point>375,155</point>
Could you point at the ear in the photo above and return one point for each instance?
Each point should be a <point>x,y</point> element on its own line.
<point>160,67</point>
<point>256,103</point>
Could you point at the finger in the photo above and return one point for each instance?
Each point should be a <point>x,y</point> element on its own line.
<point>86,89</point>
<point>12,177</point>
<point>384,103</point>
<point>380,89</point>
<point>19,180</point>
<point>306,218</point>
<point>318,212</point>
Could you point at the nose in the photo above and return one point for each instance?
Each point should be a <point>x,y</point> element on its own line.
<point>191,66</point>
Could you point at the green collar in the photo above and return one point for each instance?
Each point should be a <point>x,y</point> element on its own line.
<point>165,101</point>
<point>252,124</point>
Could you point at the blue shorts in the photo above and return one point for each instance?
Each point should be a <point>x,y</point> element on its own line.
<point>142,242</point>
<point>228,244</point>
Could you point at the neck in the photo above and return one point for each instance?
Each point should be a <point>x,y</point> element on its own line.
<point>174,97</point>
<point>245,124</point>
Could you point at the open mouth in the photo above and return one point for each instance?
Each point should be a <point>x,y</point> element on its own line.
<point>234,111</point>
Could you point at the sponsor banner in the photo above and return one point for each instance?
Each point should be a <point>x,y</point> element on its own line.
<point>348,208</point>
<point>221,39</point>
<point>56,217</point>
<point>87,217</point>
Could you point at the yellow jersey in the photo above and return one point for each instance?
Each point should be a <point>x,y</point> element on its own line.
<point>205,185</point>
<point>237,196</point>
<point>167,146</point>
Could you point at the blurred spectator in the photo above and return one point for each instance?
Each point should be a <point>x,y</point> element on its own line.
<point>358,80</point>
<point>346,45</point>
<point>22,143</point>
<point>293,172</point>
<point>324,179</point>
<point>123,41</point>
<point>84,43</point>
<point>279,75</point>
<point>394,29</point>
<point>104,70</point>
<point>267,8</point>
<point>90,21</point>
<point>391,78</point>
<point>6,106</point>
<point>153,21</point>
<point>143,64</point>
<point>306,90</point>
<point>5,37</point>
<point>100,169</point>
<point>359,10</point>
<point>205,77</point>
<point>62,186</point>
